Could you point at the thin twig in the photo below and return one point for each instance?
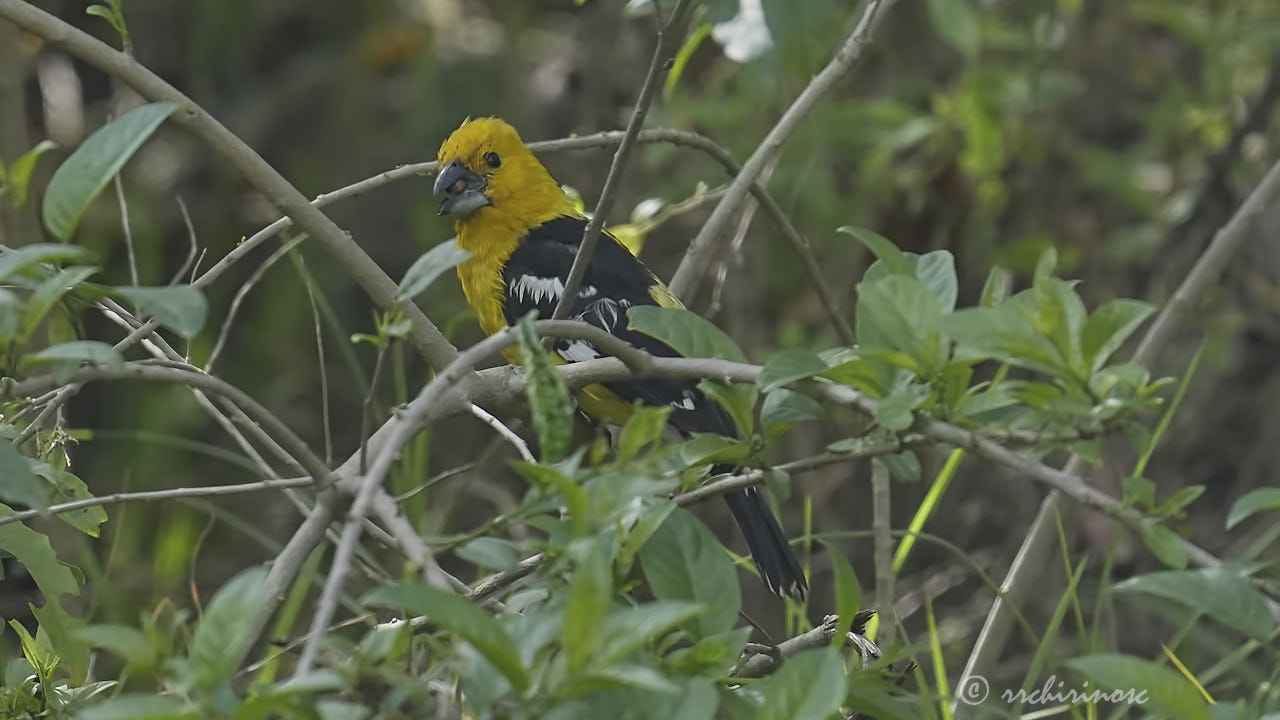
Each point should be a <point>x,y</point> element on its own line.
<point>882,536</point>
<point>192,240</point>
<point>507,433</point>
<point>705,245</point>
<point>128,231</point>
<point>241,293</point>
<point>424,336</point>
<point>155,495</point>
<point>659,65</point>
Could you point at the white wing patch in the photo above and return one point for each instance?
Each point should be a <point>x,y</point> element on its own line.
<point>686,401</point>
<point>537,289</point>
<point>579,351</point>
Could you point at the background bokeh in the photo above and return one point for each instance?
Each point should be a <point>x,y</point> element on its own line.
<point>1121,133</point>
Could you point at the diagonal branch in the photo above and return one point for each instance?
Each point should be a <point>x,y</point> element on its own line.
<point>381,289</point>
<point>706,245</point>
<point>658,68</point>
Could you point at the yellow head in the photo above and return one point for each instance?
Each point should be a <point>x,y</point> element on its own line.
<point>488,178</point>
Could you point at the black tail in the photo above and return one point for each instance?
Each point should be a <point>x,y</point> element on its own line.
<point>769,547</point>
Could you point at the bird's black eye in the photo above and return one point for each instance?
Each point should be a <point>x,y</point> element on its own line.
<point>492,159</point>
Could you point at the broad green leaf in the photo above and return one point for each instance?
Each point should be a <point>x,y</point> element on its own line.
<point>126,642</point>
<point>894,412</point>
<point>1259,500</point>
<point>1165,545</point>
<point>462,618</point>
<point>1139,491</point>
<point>648,523</point>
<point>645,427</point>
<point>937,270</point>
<point>883,248</point>
<point>33,551</point>
<point>627,629</point>
<point>903,466</point>
<point>92,165</point>
<point>788,406</point>
<point>27,256</point>
<point>1221,593</point>
<point>899,313</point>
<point>548,395</point>
<point>957,22</point>
<point>222,634</point>
<point>1005,334</point>
<point>1108,327</point>
<point>810,684</point>
<point>705,448</point>
<point>139,706</point>
<point>19,179</point>
<point>488,552</point>
<point>689,334</point>
<point>181,308</point>
<point>1054,308</point>
<point>848,594</point>
<point>67,357</point>
<point>342,710</point>
<point>787,367</point>
<point>590,596</point>
<point>684,561</point>
<point>60,627</point>
<point>67,487</point>
<point>18,485</point>
<point>49,292</point>
<point>1167,692</point>
<point>737,400</point>
<point>434,263</point>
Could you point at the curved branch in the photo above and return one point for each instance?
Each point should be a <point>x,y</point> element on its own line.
<point>704,247</point>
<point>381,289</point>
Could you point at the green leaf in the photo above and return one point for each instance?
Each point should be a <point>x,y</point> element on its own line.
<point>957,23</point>
<point>1006,334</point>
<point>894,412</point>
<point>1259,500</point>
<point>48,293</point>
<point>789,406</point>
<point>787,367</point>
<point>645,426</point>
<point>488,552</point>
<point>1165,545</point>
<point>548,395</point>
<point>590,595</point>
<point>810,684</point>
<point>464,619</point>
<point>1167,691</point>
<point>848,594</point>
<point>681,59</point>
<point>33,551</point>
<point>1108,327</point>
<point>1139,491</point>
<point>937,270</point>
<point>899,313</point>
<point>684,561</point>
<point>995,289</point>
<point>222,635</point>
<point>68,356</point>
<point>83,175</point>
<point>18,485</point>
<point>181,308</point>
<point>138,706</point>
<point>1056,310</point>
<point>19,180</point>
<point>60,627</point>
<point>689,334</point>
<point>883,248</point>
<point>1221,593</point>
<point>129,643</point>
<point>627,629</point>
<point>433,263</point>
<point>27,256</point>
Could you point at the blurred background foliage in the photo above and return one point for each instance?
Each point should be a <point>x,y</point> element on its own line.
<point>1121,133</point>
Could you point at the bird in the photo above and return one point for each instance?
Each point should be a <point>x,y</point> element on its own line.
<point>522,232</point>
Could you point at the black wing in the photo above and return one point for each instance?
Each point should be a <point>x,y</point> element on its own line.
<point>615,282</point>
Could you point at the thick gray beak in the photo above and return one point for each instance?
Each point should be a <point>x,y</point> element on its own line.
<point>462,190</point>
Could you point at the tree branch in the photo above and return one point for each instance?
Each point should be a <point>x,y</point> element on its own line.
<point>705,246</point>
<point>658,68</point>
<point>381,289</point>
